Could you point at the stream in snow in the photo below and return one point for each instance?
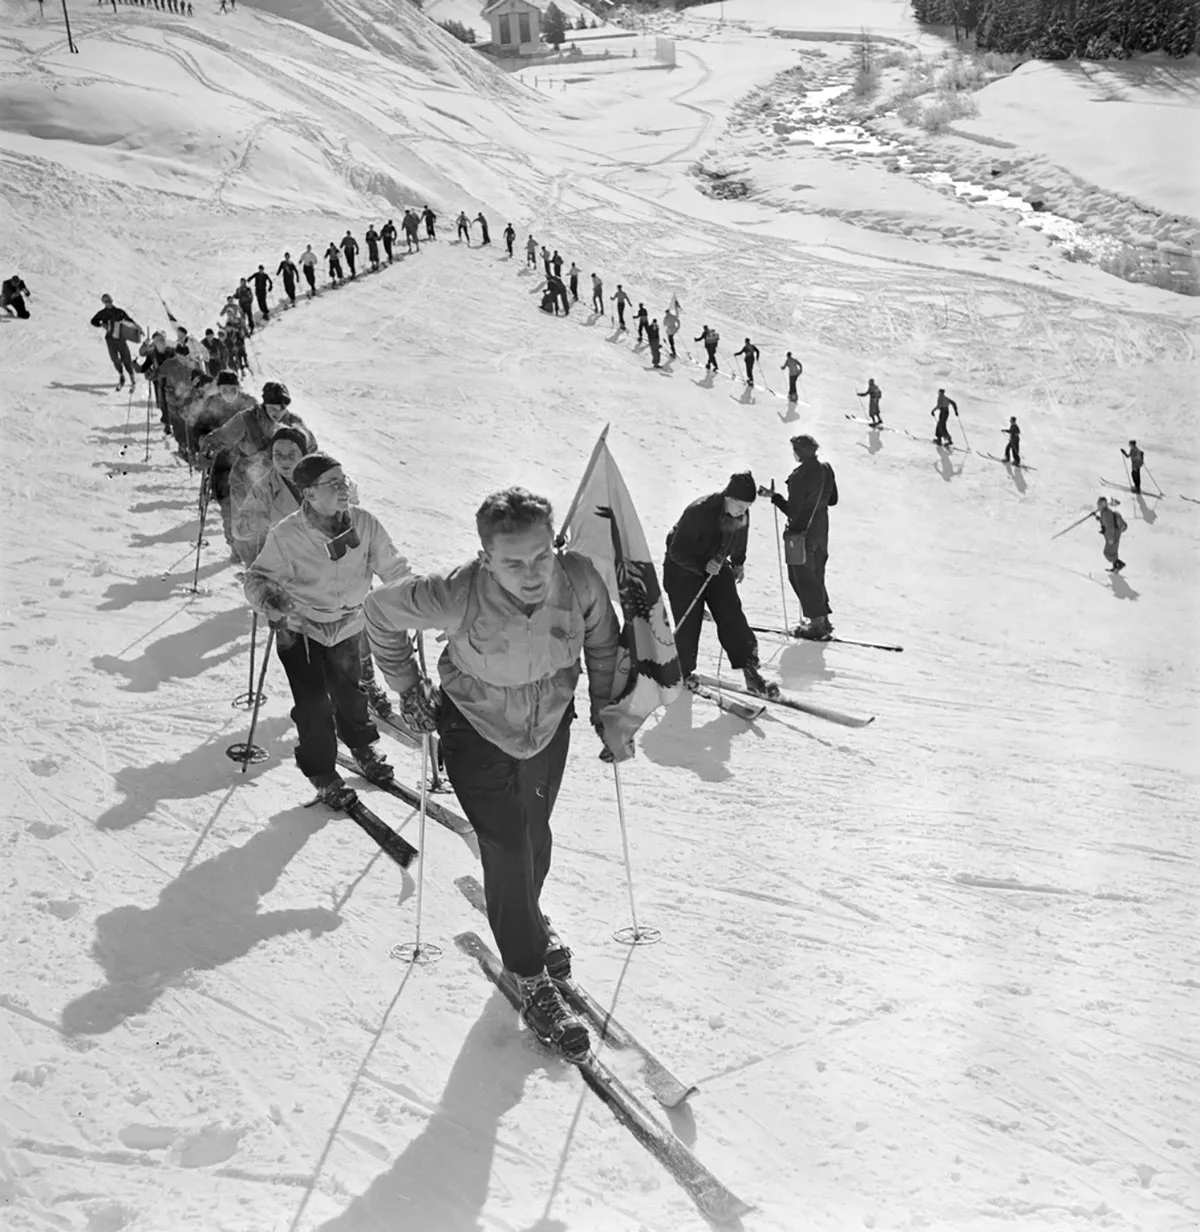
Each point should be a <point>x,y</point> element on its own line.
<point>820,126</point>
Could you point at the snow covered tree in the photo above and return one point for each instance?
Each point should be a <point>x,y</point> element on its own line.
<point>554,25</point>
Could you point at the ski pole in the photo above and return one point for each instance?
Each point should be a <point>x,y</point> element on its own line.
<point>1091,513</point>
<point>436,785</point>
<point>635,934</point>
<point>699,595</point>
<point>964,430</point>
<point>248,752</point>
<point>779,553</point>
<point>1152,479</point>
<point>413,951</point>
<point>200,532</point>
<point>245,700</point>
<point>149,391</point>
<point>1128,477</point>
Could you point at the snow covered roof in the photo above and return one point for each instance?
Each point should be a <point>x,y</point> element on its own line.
<point>524,3</point>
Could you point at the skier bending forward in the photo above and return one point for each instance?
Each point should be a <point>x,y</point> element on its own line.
<point>517,619</point>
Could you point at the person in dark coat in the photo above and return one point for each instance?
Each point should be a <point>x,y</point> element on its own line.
<point>710,338</point>
<point>262,284</point>
<point>642,317</point>
<point>1136,460</point>
<point>349,246</point>
<point>289,272</point>
<point>12,296</point>
<point>110,318</point>
<point>811,489</point>
<point>430,218</point>
<point>510,238</point>
<point>372,238</point>
<point>1012,451</point>
<point>388,235</point>
<point>705,561</point>
<point>245,299</point>
<point>654,338</point>
<point>483,227</point>
<point>750,355</point>
<point>556,284</point>
<point>334,257</point>
<point>942,408</point>
<point>410,223</point>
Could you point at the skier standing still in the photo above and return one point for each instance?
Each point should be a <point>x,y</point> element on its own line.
<point>671,325</point>
<point>597,295</point>
<point>531,249</point>
<point>621,299</point>
<point>309,581</point>
<point>510,238</point>
<point>483,227</point>
<point>642,317</point>
<point>811,490</point>
<point>750,353</point>
<point>517,619</point>
<point>705,562</point>
<point>872,393</point>
<point>573,281</point>
<point>654,338</point>
<point>1112,527</point>
<point>464,228</point>
<point>1012,451</point>
<point>1136,458</point>
<point>941,434</point>
<point>110,318</point>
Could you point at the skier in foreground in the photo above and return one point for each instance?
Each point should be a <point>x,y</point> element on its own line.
<point>811,489</point>
<point>1112,527</point>
<point>517,619</point>
<point>309,581</point>
<point>705,562</point>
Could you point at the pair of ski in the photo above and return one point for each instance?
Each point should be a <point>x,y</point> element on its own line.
<point>711,1196</point>
<point>1021,466</point>
<point>844,641</point>
<point>791,703</point>
<point>393,845</point>
<point>1124,487</point>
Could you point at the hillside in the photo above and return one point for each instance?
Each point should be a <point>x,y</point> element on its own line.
<point>936,972</point>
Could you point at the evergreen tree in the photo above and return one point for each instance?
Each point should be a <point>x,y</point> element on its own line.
<point>554,25</point>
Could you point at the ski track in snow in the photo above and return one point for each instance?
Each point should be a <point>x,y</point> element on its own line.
<point>940,972</point>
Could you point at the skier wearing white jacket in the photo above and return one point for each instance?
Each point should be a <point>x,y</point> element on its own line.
<point>309,581</point>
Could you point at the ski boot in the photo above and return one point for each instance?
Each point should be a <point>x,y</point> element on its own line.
<point>372,764</point>
<point>334,791</point>
<point>817,630</point>
<point>547,1016</point>
<point>378,699</point>
<point>558,955</point>
<point>758,685</point>
<point>691,682</point>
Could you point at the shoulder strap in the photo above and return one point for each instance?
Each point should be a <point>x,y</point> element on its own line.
<point>820,497</point>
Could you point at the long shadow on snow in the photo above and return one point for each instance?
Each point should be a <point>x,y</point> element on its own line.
<point>197,773</point>
<point>153,587</point>
<point>419,1191</point>
<point>98,388</point>
<point>183,533</point>
<point>206,917</point>
<point>182,655</point>
<point>705,750</point>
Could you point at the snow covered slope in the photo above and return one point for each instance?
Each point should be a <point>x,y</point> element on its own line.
<point>938,972</point>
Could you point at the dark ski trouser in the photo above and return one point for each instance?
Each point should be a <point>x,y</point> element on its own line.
<point>793,396</point>
<point>808,579</point>
<point>262,305</point>
<point>723,601</point>
<point>671,344</point>
<point>429,234</point>
<point>942,432</point>
<point>509,245</point>
<point>160,399</point>
<point>575,289</point>
<point>749,372</point>
<point>1136,472</point>
<point>464,233</point>
<point>289,289</point>
<point>387,248</point>
<point>329,700</point>
<point>118,352</point>
<point>711,362</point>
<point>1013,453</point>
<point>873,411</point>
<point>350,264</point>
<point>621,315</point>
<point>373,254</point>
<point>531,259</point>
<point>508,801</point>
<point>310,276</point>
<point>655,354</point>
<point>17,304</point>
<point>598,302</point>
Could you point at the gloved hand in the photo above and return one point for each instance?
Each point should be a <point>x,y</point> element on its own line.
<point>713,567</point>
<point>767,492</point>
<point>606,753</point>
<point>739,572</point>
<point>419,706</point>
<point>276,604</point>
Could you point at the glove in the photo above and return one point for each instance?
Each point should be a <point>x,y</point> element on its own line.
<point>767,493</point>
<point>739,572</point>
<point>713,567</point>
<point>419,707</point>
<point>606,754</point>
<point>276,604</point>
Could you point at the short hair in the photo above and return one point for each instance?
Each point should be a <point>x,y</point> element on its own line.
<point>510,511</point>
<point>804,443</point>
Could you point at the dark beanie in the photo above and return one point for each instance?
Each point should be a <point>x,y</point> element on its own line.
<point>226,377</point>
<point>311,467</point>
<point>741,487</point>
<point>291,434</point>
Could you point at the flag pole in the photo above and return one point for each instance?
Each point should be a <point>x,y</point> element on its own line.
<point>561,537</point>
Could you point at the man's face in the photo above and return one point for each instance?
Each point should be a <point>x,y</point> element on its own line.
<point>274,410</point>
<point>330,494</point>
<point>523,563</point>
<point>736,508</point>
<point>229,393</point>
<point>284,457</point>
